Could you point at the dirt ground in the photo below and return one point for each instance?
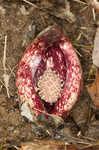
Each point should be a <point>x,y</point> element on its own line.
<point>20,22</point>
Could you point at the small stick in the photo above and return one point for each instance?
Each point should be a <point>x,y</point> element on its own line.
<point>95,4</point>
<point>5,75</point>
<point>94,15</point>
<point>30,3</point>
<point>4,55</point>
<point>81,2</point>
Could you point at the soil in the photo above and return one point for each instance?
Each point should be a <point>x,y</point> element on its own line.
<point>21,22</point>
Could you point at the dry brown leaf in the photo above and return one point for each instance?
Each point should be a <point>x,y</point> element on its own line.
<point>52,145</point>
<point>34,146</point>
<point>71,148</point>
<point>42,145</point>
<point>95,55</point>
<point>94,89</point>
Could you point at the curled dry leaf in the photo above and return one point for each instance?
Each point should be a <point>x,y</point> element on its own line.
<point>95,55</point>
<point>94,89</point>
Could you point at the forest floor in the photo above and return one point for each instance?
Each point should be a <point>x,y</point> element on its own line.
<point>20,22</point>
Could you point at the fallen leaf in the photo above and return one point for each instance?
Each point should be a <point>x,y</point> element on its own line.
<point>71,148</point>
<point>42,145</point>
<point>45,145</point>
<point>94,89</point>
<point>34,146</point>
<point>95,55</point>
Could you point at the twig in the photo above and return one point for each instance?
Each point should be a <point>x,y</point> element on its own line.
<point>2,82</point>
<point>94,15</point>
<point>4,55</point>
<point>95,4</point>
<point>5,75</point>
<point>84,8</point>
<point>30,3</point>
<point>12,70</point>
<point>78,52</point>
<point>81,2</point>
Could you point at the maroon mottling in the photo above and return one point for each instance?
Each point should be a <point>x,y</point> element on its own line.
<point>50,46</point>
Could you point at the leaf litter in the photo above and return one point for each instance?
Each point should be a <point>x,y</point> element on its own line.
<point>18,130</point>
